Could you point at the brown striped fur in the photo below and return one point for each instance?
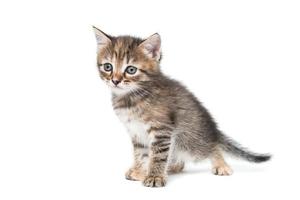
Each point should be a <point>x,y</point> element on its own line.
<point>167,124</point>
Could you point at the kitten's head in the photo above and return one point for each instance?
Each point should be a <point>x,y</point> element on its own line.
<point>125,62</point>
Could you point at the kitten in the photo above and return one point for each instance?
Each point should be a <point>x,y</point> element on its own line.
<point>167,124</point>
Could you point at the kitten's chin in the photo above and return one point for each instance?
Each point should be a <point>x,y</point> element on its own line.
<point>119,91</point>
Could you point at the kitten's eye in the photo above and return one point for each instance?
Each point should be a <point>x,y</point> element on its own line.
<point>131,70</point>
<point>107,67</point>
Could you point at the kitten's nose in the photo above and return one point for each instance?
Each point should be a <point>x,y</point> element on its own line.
<point>116,82</point>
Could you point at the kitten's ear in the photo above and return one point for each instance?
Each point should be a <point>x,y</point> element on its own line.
<point>151,46</point>
<point>102,38</point>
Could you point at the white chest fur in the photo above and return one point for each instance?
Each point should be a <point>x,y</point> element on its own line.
<point>136,128</point>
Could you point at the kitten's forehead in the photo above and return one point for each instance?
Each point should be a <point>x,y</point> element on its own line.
<point>126,42</point>
<point>123,48</point>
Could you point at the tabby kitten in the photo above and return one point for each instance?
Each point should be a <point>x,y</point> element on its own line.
<point>167,124</point>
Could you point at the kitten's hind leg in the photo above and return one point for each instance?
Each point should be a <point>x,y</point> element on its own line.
<point>219,166</point>
<point>175,167</point>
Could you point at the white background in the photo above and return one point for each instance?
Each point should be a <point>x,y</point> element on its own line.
<point>59,137</point>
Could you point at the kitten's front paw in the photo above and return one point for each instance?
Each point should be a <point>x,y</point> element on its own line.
<point>154,181</point>
<point>134,175</point>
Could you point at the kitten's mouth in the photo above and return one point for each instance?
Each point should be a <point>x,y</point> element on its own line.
<point>117,87</point>
<point>113,86</point>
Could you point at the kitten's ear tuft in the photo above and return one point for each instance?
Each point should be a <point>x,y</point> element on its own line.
<point>151,46</point>
<point>102,38</point>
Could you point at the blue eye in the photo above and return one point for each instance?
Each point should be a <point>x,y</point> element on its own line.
<point>107,67</point>
<point>131,70</point>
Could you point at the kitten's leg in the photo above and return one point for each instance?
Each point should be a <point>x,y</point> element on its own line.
<point>220,167</point>
<point>138,171</point>
<point>159,152</point>
<point>175,167</point>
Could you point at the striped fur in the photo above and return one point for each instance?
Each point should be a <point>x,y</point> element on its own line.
<point>166,122</point>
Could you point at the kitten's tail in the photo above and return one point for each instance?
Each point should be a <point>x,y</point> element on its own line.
<point>232,147</point>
